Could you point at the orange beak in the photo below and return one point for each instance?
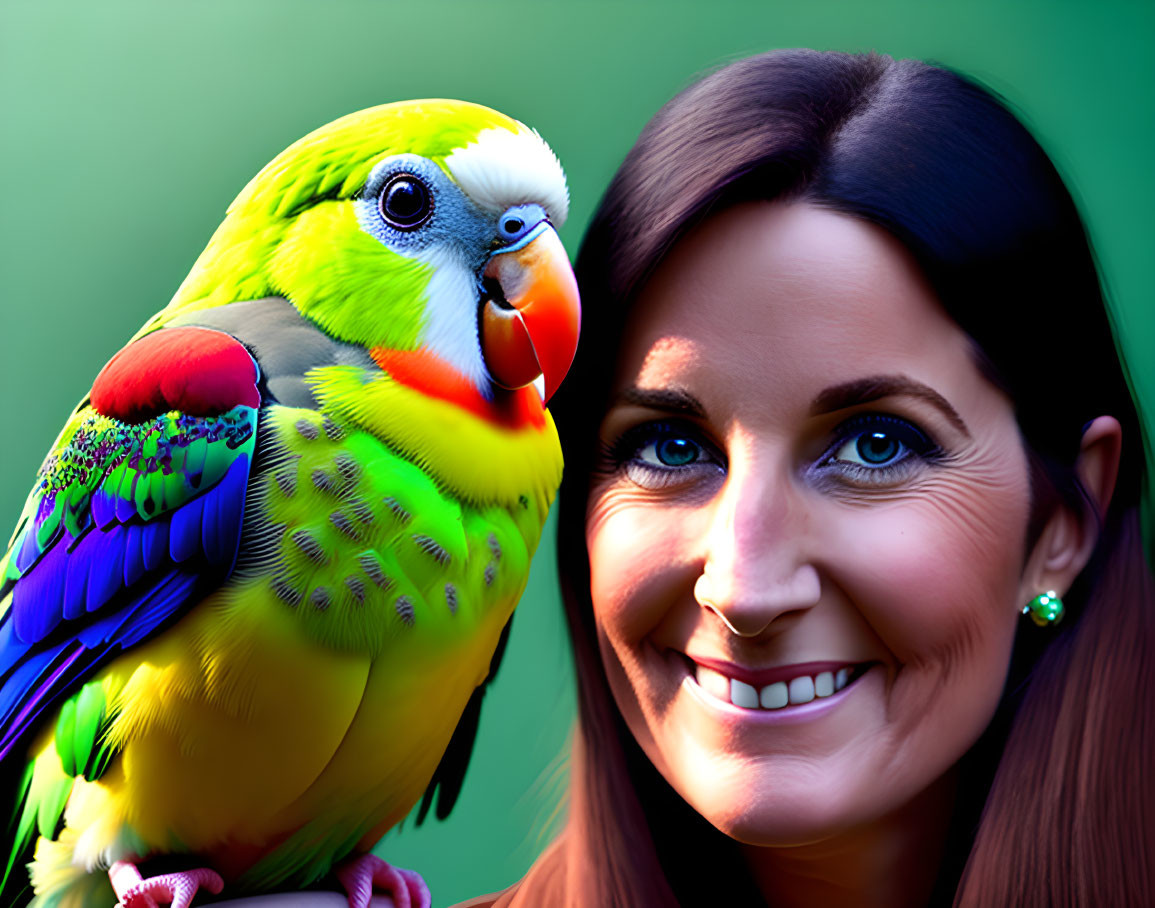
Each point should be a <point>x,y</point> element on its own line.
<point>534,330</point>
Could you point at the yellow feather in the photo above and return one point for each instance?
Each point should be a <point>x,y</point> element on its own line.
<point>476,460</point>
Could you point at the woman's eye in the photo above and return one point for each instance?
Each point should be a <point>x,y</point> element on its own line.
<point>673,451</point>
<point>657,455</point>
<point>872,449</point>
<point>875,447</point>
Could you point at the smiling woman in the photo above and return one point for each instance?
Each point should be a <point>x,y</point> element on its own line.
<point>844,441</point>
<point>850,539</point>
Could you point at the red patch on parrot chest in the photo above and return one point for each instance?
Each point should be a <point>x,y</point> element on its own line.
<point>424,372</point>
<point>198,371</point>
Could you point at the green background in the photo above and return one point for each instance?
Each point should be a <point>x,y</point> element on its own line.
<point>127,127</point>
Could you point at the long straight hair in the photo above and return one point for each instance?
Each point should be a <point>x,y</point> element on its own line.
<point>1061,776</point>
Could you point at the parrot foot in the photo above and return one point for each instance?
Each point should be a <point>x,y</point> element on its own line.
<point>174,889</point>
<point>362,876</point>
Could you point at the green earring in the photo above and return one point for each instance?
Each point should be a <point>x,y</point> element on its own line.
<point>1046,608</point>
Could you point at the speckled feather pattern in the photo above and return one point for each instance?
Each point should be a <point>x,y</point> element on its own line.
<point>120,468</point>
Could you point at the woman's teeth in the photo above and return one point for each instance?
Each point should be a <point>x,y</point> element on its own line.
<point>798,690</point>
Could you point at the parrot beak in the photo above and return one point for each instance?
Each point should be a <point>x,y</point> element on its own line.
<point>530,326</point>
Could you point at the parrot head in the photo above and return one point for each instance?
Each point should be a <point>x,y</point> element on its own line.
<point>423,226</point>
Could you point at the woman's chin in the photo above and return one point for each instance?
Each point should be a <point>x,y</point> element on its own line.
<point>767,826</point>
<point>771,809</point>
<point>782,807</point>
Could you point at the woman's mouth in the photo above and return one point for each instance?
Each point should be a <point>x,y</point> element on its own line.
<point>776,688</point>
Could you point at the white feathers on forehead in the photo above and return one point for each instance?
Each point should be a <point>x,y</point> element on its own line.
<point>502,168</point>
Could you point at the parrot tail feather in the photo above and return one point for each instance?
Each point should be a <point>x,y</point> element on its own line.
<point>59,882</point>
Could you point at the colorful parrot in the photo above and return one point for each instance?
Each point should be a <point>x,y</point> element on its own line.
<point>267,565</point>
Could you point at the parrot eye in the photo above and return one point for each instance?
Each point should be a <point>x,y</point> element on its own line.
<point>405,202</point>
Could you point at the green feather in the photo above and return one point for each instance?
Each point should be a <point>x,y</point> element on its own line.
<point>82,723</point>
<point>348,283</point>
<point>44,795</point>
<point>194,459</point>
<point>65,725</point>
<point>90,719</point>
<point>24,829</point>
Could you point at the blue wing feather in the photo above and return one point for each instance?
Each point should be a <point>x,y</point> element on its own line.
<point>184,532</point>
<point>133,555</point>
<point>28,551</point>
<point>103,509</point>
<point>75,583</point>
<point>35,634</point>
<point>154,544</point>
<point>156,609</point>
<point>128,525</point>
<point>38,604</point>
<point>115,599</point>
<point>105,566</point>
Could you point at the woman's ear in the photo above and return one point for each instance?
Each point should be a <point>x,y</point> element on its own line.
<point>1068,538</point>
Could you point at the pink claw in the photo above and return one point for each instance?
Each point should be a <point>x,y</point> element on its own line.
<point>362,876</point>
<point>174,889</point>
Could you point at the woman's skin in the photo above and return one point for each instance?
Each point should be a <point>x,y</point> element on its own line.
<point>804,472</point>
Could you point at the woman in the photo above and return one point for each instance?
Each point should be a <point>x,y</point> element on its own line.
<point>854,405</point>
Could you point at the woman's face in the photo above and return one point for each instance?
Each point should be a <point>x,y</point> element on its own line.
<point>806,534</point>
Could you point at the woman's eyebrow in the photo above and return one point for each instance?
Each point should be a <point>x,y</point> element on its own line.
<point>876,387</point>
<point>672,400</point>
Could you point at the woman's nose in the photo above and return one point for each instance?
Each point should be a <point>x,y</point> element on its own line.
<point>757,563</point>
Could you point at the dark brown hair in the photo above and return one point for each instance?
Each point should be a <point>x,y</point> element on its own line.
<point>941,164</point>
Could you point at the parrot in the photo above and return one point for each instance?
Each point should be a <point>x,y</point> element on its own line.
<point>268,567</point>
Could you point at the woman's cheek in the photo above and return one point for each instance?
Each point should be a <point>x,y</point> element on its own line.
<point>936,574</point>
<point>638,558</point>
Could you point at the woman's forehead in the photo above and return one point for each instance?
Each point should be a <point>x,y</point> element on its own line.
<point>789,293</point>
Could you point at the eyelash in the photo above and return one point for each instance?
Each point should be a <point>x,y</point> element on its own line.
<point>912,446</point>
<point>625,454</point>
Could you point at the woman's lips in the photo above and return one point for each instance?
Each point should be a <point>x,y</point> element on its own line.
<point>773,688</point>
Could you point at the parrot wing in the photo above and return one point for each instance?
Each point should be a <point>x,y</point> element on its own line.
<point>136,513</point>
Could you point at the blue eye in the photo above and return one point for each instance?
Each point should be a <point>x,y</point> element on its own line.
<point>675,451</point>
<point>875,449</point>
<point>657,455</point>
<point>874,446</point>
